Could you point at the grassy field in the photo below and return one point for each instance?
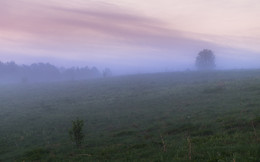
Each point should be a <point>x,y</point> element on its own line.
<point>153,117</point>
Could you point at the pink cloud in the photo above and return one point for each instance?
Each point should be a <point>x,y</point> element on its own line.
<point>51,24</point>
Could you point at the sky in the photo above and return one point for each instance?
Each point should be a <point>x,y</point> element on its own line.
<point>130,36</point>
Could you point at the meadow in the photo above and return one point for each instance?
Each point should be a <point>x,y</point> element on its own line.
<point>179,116</point>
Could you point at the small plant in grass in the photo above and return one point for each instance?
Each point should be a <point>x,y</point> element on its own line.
<point>76,132</point>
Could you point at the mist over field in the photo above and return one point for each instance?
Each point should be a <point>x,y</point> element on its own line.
<point>131,80</point>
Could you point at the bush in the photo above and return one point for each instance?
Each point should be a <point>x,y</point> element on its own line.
<point>76,132</point>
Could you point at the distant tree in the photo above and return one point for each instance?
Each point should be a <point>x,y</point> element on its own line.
<point>44,72</point>
<point>107,73</point>
<point>94,72</point>
<point>205,60</point>
<point>69,74</point>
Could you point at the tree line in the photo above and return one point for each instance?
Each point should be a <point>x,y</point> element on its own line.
<point>44,72</point>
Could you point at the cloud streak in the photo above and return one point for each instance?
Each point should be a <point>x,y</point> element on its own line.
<point>49,24</point>
<point>98,32</point>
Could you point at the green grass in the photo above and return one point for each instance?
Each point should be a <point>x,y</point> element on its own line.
<point>129,118</point>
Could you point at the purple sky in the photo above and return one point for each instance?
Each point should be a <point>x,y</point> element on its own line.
<point>130,36</point>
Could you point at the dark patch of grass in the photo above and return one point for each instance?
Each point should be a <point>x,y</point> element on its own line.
<point>37,154</point>
<point>124,133</point>
<point>256,120</point>
<point>203,132</point>
<point>214,89</point>
<point>139,146</point>
<point>236,124</point>
<point>183,128</point>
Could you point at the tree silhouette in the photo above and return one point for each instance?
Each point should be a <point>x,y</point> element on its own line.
<point>205,60</point>
<point>76,132</point>
<point>107,73</point>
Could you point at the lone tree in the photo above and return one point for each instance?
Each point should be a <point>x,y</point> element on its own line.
<point>205,60</point>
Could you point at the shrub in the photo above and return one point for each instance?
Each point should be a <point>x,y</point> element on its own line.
<point>76,132</point>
